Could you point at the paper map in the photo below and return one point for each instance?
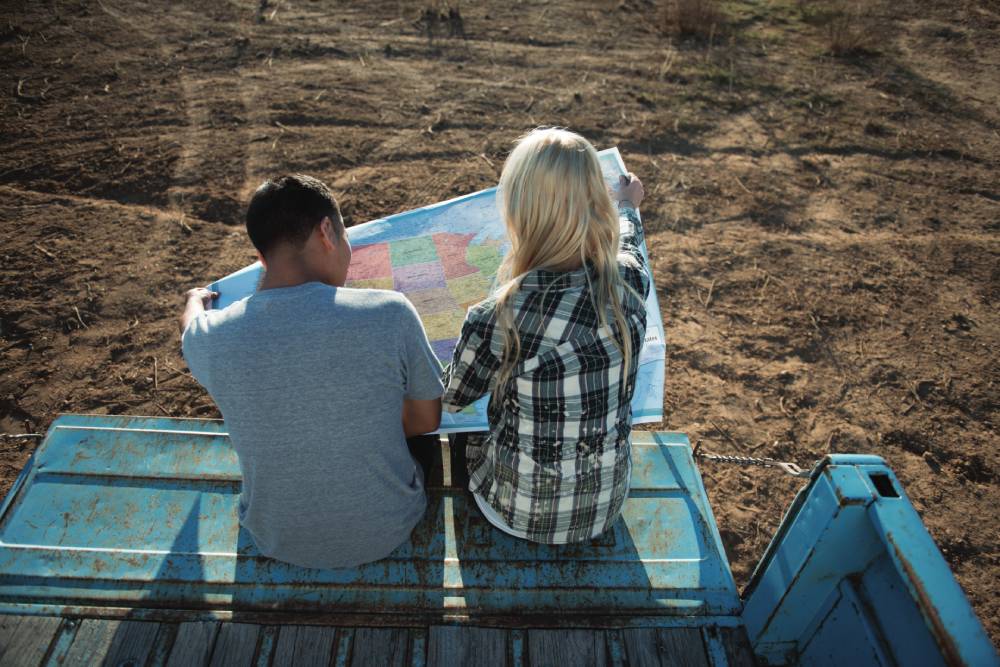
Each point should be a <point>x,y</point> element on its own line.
<point>444,258</point>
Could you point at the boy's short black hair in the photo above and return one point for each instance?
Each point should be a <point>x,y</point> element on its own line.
<point>288,209</point>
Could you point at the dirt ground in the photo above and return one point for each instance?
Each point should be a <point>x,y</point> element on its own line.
<point>825,231</point>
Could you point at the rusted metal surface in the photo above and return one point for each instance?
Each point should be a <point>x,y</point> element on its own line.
<point>580,619</point>
<point>140,513</point>
<point>946,642</point>
<point>853,577</point>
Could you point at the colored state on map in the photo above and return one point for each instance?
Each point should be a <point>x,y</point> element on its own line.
<point>441,274</point>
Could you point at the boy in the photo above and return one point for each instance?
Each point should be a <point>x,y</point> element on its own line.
<point>319,386</point>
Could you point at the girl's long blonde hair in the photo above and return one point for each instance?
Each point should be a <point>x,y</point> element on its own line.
<point>559,216</point>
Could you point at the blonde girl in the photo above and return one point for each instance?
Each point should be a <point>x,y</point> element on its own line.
<point>557,344</point>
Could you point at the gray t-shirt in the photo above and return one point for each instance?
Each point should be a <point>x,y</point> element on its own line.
<point>311,381</point>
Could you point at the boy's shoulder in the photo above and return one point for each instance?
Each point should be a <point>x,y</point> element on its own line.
<point>321,302</point>
<point>374,300</point>
<point>376,306</point>
<point>209,323</point>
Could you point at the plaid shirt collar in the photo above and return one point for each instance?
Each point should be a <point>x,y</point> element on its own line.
<point>543,279</point>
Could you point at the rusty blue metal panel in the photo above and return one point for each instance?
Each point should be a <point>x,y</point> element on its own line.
<point>853,577</point>
<point>129,512</point>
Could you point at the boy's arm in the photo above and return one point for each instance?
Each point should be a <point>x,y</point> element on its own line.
<point>193,336</point>
<point>423,388</point>
<point>198,301</point>
<point>421,416</point>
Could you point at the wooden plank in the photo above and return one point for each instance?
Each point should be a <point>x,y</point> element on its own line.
<point>737,645</point>
<point>616,648</point>
<point>314,645</point>
<point>63,641</point>
<point>27,640</point>
<point>379,647</point>
<point>683,646</point>
<point>557,648</point>
<point>8,629</point>
<point>305,645</point>
<point>193,644</point>
<point>658,647</point>
<point>265,648</point>
<point>132,643</point>
<point>418,647</point>
<point>235,645</point>
<point>342,653</point>
<point>452,645</point>
<point>517,656</point>
<point>640,647</point>
<point>162,645</point>
<point>284,652</point>
<point>92,641</point>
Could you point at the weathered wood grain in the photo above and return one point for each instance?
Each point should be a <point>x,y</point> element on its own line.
<point>92,642</point>
<point>193,644</point>
<point>452,645</point>
<point>662,647</point>
<point>559,648</point>
<point>737,645</point>
<point>25,640</point>
<point>8,630</point>
<point>379,647</point>
<point>305,645</point>
<point>235,645</point>
<point>131,643</point>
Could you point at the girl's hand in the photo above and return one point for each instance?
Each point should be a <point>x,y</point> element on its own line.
<point>629,190</point>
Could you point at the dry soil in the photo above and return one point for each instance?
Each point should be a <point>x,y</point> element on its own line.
<point>824,230</point>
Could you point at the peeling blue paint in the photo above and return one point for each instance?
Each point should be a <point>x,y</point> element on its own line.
<point>141,512</point>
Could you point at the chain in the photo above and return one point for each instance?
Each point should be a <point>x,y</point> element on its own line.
<point>790,468</point>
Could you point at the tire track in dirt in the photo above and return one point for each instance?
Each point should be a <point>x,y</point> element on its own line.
<point>211,172</point>
<point>48,198</point>
<point>208,176</point>
<point>220,156</point>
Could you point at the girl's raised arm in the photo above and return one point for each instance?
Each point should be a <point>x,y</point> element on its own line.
<point>629,195</point>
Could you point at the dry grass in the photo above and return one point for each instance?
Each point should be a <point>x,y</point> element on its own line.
<point>850,27</point>
<point>702,19</point>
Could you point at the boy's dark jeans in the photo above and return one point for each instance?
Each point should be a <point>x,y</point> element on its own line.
<point>426,451</point>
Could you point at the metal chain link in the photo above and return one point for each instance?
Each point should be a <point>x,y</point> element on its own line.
<point>790,468</point>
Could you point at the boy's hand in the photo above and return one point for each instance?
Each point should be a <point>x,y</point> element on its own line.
<point>198,300</point>
<point>629,190</point>
<point>203,295</point>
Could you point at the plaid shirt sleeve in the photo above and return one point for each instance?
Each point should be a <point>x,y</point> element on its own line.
<point>467,377</point>
<point>634,270</point>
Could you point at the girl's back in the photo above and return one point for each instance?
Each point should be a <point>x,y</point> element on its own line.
<point>558,348</point>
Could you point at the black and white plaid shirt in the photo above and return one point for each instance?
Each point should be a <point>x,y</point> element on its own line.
<point>555,464</point>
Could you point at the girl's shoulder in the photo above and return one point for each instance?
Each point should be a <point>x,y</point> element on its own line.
<point>482,313</point>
